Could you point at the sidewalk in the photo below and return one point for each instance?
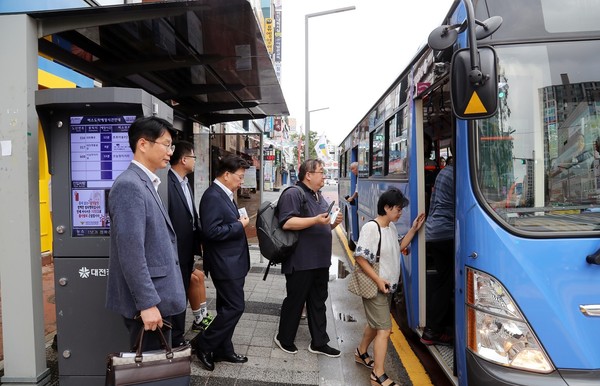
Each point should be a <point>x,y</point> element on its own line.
<point>49,305</point>
<point>267,364</point>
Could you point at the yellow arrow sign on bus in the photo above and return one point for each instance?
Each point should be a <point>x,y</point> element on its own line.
<point>475,105</point>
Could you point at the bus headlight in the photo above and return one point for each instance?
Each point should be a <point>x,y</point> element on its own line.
<point>496,329</point>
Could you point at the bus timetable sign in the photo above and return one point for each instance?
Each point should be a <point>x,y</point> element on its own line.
<point>474,100</point>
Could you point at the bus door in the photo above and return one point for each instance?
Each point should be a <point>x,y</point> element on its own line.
<point>354,230</point>
<point>347,186</point>
<point>434,137</point>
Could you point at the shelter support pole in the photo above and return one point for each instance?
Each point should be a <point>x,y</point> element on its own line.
<point>20,256</point>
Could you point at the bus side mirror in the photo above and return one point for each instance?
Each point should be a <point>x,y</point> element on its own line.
<point>474,95</point>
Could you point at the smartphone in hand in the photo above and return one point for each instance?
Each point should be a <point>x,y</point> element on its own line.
<point>330,207</point>
<point>333,212</point>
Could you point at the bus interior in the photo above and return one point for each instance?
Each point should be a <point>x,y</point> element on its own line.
<point>438,127</point>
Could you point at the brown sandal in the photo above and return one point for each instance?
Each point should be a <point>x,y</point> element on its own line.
<point>363,359</point>
<point>375,381</point>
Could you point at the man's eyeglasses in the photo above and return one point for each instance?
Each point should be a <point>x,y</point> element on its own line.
<point>318,172</point>
<point>170,147</point>
<point>240,176</point>
<point>190,156</point>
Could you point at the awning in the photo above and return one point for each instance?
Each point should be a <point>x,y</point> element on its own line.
<point>205,58</point>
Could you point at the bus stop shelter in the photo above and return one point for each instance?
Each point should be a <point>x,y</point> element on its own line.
<point>206,59</point>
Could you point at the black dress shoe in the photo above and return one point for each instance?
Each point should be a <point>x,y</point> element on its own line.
<point>206,359</point>
<point>231,358</point>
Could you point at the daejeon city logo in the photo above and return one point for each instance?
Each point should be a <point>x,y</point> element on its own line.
<point>85,272</point>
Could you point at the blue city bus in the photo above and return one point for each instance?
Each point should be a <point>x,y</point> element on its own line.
<point>526,135</point>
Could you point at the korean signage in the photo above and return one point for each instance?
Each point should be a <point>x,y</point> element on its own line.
<point>268,130</point>
<point>269,155</point>
<point>277,124</point>
<point>277,38</point>
<point>269,34</point>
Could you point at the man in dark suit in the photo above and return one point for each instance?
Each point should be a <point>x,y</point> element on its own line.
<point>184,217</point>
<point>144,284</point>
<point>226,260</point>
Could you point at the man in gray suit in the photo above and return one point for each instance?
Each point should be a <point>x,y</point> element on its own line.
<point>144,284</point>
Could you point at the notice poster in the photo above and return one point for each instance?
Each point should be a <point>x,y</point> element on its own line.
<point>89,209</point>
<point>250,178</point>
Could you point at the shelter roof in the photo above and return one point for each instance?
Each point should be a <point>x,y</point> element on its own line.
<point>205,58</point>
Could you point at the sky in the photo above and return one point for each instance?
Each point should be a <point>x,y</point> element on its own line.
<point>354,56</point>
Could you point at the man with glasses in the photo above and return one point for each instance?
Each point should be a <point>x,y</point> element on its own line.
<point>144,284</point>
<point>307,269</point>
<point>185,221</point>
<point>226,261</point>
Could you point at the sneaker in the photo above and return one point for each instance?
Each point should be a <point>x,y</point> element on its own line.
<point>290,349</point>
<point>325,350</point>
<point>431,337</point>
<point>203,324</point>
<point>196,327</point>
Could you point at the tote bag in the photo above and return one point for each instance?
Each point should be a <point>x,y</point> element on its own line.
<point>359,282</point>
<point>154,368</point>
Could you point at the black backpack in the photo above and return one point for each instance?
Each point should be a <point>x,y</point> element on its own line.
<point>275,244</point>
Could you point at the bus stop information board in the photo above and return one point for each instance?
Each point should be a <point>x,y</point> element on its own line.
<point>99,153</point>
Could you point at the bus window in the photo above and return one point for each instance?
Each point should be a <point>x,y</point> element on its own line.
<point>537,162</point>
<point>398,148</point>
<point>377,152</point>
<point>347,163</point>
<point>363,152</point>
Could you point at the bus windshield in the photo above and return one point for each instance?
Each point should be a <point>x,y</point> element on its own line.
<point>537,159</point>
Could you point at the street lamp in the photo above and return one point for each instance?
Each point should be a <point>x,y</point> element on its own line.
<point>306,110</point>
<point>321,109</point>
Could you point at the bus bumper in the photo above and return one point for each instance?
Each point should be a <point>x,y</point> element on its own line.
<point>483,373</point>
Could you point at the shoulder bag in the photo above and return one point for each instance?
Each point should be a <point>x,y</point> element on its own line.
<point>158,367</point>
<point>359,282</point>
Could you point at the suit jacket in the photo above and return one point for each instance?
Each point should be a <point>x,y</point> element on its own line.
<point>188,240</point>
<point>144,267</point>
<point>224,241</point>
